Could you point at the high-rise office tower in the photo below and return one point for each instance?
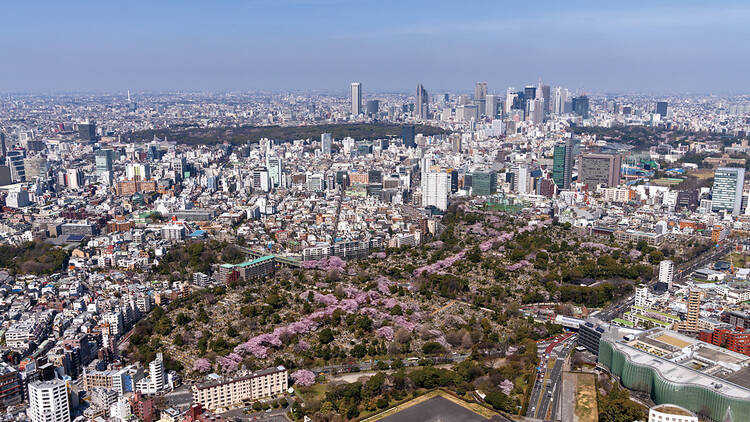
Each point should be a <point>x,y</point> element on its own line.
<point>435,188</point>
<point>726,193</point>
<point>408,134</point>
<point>103,160</point>
<point>35,167</point>
<point>599,169</point>
<point>87,131</point>
<point>356,98</point>
<point>661,108</point>
<point>490,106</point>
<point>480,91</point>
<point>536,111</point>
<point>480,95</point>
<point>14,160</point>
<point>529,94</point>
<point>261,180</point>
<point>581,106</point>
<point>562,164</point>
<point>48,401</point>
<point>137,171</point>
<point>521,179</point>
<point>546,95</point>
<point>422,108</point>
<point>371,107</point>
<point>3,145</point>
<point>666,272</point>
<point>561,97</point>
<point>275,170</point>
<point>75,178</point>
<point>510,98</point>
<point>326,141</point>
<point>483,183</point>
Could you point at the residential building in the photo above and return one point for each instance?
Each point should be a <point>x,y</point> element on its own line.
<point>230,392</point>
<point>48,401</point>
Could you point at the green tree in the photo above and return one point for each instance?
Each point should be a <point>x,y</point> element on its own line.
<point>325,336</point>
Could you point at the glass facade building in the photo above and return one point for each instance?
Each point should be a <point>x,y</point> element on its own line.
<point>726,193</point>
<point>658,381</point>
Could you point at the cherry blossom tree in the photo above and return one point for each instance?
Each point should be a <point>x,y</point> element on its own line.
<point>303,377</point>
<point>202,365</point>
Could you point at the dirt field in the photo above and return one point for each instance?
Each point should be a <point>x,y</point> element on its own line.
<point>586,407</point>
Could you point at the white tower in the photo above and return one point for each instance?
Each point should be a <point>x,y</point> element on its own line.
<point>48,401</point>
<point>666,272</point>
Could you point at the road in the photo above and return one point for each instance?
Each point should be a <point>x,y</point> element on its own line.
<point>371,364</point>
<point>546,392</point>
<point>701,261</point>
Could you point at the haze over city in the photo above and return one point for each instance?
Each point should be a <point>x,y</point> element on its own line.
<point>395,211</point>
<point>302,45</point>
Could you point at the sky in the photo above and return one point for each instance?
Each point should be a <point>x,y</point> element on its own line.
<point>660,47</point>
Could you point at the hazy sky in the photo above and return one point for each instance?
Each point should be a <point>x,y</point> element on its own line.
<point>599,46</point>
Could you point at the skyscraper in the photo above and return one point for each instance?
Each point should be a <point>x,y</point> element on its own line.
<point>562,164</point>
<point>480,94</point>
<point>422,109</point>
<point>529,94</point>
<point>726,193</point>
<point>275,170</point>
<point>48,401</point>
<point>435,187</point>
<point>510,98</point>
<point>484,183</point>
<point>356,98</point>
<point>14,160</point>
<point>407,134</point>
<point>521,179</point>
<point>599,169</point>
<point>87,131</point>
<point>480,91</point>
<point>103,160</point>
<point>326,141</point>
<point>661,108</point>
<point>547,100</point>
<point>372,107</point>
<point>561,97</point>
<point>536,111</point>
<point>3,146</point>
<point>581,106</point>
<point>490,106</point>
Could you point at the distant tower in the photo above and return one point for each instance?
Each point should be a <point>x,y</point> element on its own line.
<point>356,98</point>
<point>661,109</point>
<point>326,140</point>
<point>421,111</point>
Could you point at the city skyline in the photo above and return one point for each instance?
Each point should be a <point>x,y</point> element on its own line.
<point>321,45</point>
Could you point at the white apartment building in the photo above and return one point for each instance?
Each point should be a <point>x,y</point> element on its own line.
<point>227,393</point>
<point>666,272</point>
<point>435,188</point>
<point>155,382</point>
<point>48,401</point>
<point>642,297</point>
